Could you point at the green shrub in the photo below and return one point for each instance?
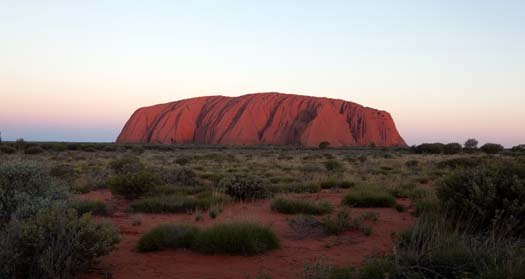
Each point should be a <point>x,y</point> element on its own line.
<point>492,148</point>
<point>337,224</point>
<point>369,197</point>
<point>88,206</point>
<point>179,176</point>
<point>25,189</point>
<point>133,185</point>
<point>33,150</point>
<point>452,148</point>
<point>55,243</point>
<point>174,236</point>
<point>241,238</point>
<point>288,206</point>
<point>491,195</point>
<point>40,235</point>
<point>408,190</point>
<point>245,188</point>
<point>6,149</point>
<point>128,164</point>
<point>333,165</point>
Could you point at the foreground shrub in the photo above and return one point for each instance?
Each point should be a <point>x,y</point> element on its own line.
<point>56,243</point>
<point>369,197</point>
<point>128,164</point>
<point>432,249</point>
<point>245,188</point>
<point>236,238</point>
<point>25,189</point>
<point>133,185</point>
<point>492,148</point>
<point>40,235</point>
<point>491,196</point>
<point>88,206</point>
<point>168,237</point>
<point>289,206</point>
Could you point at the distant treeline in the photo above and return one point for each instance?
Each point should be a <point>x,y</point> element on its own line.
<point>470,146</point>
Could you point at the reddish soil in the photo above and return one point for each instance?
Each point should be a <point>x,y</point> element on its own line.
<point>351,248</point>
<point>262,118</point>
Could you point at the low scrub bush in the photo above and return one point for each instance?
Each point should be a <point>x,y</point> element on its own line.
<point>245,188</point>
<point>172,236</point>
<point>337,224</point>
<point>178,176</point>
<point>408,190</point>
<point>289,206</point>
<point>128,164</point>
<point>369,197</point>
<point>492,196</point>
<point>88,206</point>
<point>41,236</point>
<point>133,185</point>
<point>241,238</point>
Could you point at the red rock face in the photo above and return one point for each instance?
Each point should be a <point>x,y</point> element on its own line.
<point>262,118</point>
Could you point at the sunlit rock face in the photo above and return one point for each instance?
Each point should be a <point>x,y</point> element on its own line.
<point>262,118</point>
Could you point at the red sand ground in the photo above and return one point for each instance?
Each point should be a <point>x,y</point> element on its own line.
<point>351,248</point>
<point>262,118</point>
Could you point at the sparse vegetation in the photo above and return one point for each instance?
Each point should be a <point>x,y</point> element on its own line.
<point>369,197</point>
<point>289,206</point>
<point>245,188</point>
<point>176,236</point>
<point>133,185</point>
<point>236,238</point>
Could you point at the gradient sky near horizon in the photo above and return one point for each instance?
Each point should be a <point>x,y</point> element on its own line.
<point>445,70</point>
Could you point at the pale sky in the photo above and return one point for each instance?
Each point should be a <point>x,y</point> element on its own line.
<point>445,70</point>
